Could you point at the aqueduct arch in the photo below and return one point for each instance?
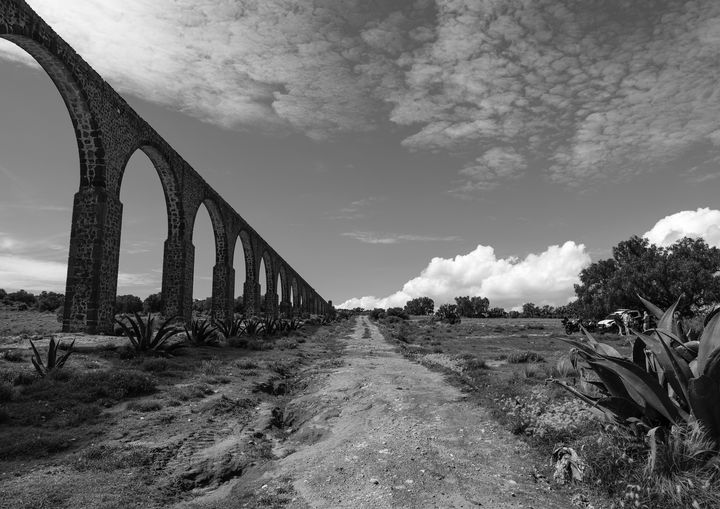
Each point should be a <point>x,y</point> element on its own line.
<point>108,132</point>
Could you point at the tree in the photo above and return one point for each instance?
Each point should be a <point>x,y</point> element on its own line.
<point>497,313</point>
<point>239,305</point>
<point>420,306</point>
<point>128,304</point>
<point>153,303</point>
<point>22,296</point>
<point>50,301</point>
<point>659,274</point>
<point>397,311</point>
<point>472,306</point>
<point>530,310</point>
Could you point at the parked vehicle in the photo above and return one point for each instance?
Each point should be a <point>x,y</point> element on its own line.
<point>614,322</point>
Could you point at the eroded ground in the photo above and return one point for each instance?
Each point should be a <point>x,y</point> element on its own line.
<point>341,420</point>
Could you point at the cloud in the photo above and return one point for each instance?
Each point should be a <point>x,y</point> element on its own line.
<point>490,169</point>
<point>587,91</point>
<point>703,222</point>
<point>265,64</point>
<point>545,278</point>
<point>358,209</point>
<point>392,238</point>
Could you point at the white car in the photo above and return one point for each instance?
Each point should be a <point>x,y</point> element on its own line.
<point>610,322</point>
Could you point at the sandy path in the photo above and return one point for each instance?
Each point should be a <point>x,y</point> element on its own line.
<point>385,432</point>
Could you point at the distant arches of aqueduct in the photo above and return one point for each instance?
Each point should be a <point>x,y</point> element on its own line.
<point>108,133</point>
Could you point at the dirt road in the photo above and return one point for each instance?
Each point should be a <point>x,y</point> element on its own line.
<point>380,431</point>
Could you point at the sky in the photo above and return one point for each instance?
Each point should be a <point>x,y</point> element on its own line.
<point>386,149</point>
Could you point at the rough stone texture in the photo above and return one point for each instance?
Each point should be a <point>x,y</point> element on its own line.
<point>108,133</point>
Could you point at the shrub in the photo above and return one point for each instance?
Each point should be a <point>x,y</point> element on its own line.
<point>7,392</point>
<point>399,312</point>
<point>153,303</point>
<point>13,356</point>
<point>377,314</point>
<point>50,301</point>
<point>229,327</point>
<point>22,296</point>
<point>128,304</point>
<point>114,384</point>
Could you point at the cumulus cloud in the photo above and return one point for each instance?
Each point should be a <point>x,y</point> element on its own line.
<point>394,238</point>
<point>703,222</point>
<point>545,278</point>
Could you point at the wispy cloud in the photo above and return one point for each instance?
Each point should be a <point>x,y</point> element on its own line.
<point>545,278</point>
<point>359,208</point>
<point>393,238</point>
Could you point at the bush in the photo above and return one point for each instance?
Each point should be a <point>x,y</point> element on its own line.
<point>114,384</point>
<point>447,313</point>
<point>22,296</point>
<point>399,312</point>
<point>153,303</point>
<point>128,304</point>
<point>377,314</point>
<point>50,301</point>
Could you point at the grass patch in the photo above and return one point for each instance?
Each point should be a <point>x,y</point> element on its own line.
<point>188,392</point>
<point>524,357</point>
<point>145,405</point>
<point>108,458</point>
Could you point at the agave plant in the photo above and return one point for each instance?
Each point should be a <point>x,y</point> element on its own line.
<point>270,326</point>
<point>53,361</point>
<point>202,332</point>
<point>668,381</point>
<point>252,327</point>
<point>141,332</point>
<point>229,327</point>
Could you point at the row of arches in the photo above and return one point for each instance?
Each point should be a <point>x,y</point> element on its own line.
<point>108,134</point>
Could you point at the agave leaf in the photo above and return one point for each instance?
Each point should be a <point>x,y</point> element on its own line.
<point>709,341</point>
<point>673,366</point>
<point>599,410</point>
<point>39,366</point>
<point>694,368</point>
<point>704,396</point>
<point>622,407</point>
<point>638,352</point>
<point>642,388</point>
<point>52,354</point>
<point>128,332</point>
<point>612,381</point>
<point>667,320</point>
<point>688,351</point>
<point>37,354</point>
<point>679,372</point>
<point>656,311</point>
<point>712,366</point>
<point>580,346</point>
<point>673,339</point>
<point>709,316</point>
<point>61,360</point>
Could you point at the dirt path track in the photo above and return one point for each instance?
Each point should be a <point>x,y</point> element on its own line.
<point>383,432</point>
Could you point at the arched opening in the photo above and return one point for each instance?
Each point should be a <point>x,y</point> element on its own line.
<point>144,230</point>
<point>278,292</point>
<point>39,171</point>
<point>204,241</point>
<point>262,285</point>
<point>241,254</point>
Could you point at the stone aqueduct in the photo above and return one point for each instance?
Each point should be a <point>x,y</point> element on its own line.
<point>108,133</point>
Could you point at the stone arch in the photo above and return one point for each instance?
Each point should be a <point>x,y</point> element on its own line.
<point>90,143</point>
<point>218,224</point>
<point>248,254</point>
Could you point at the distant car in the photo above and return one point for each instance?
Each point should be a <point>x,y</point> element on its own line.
<point>611,322</point>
